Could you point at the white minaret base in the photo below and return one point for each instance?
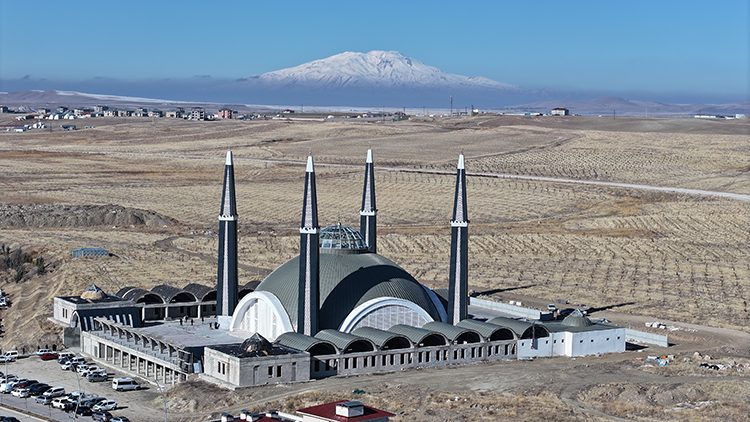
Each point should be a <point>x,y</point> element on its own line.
<point>225,322</point>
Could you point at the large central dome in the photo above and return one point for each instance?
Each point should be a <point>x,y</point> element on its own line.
<point>348,280</point>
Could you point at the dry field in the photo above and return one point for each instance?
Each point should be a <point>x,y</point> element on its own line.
<point>676,256</point>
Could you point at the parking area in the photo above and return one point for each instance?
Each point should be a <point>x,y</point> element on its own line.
<point>129,403</point>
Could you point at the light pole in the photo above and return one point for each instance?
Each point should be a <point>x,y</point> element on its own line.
<point>161,389</point>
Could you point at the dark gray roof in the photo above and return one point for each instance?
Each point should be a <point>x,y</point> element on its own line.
<point>523,329</point>
<point>490,332</point>
<point>420,336</point>
<point>454,334</point>
<point>139,295</point>
<point>198,290</point>
<point>385,340</point>
<point>312,345</point>
<point>347,280</point>
<point>346,342</point>
<point>172,294</point>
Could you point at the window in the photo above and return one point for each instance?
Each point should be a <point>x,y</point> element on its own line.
<point>222,368</point>
<point>278,370</point>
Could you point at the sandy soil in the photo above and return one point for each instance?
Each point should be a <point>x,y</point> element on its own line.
<point>635,255</point>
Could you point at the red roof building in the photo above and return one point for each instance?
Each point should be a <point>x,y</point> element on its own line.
<point>343,411</point>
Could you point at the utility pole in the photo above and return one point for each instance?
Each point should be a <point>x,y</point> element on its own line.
<point>451,106</point>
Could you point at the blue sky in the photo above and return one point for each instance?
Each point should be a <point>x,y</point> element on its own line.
<point>651,50</point>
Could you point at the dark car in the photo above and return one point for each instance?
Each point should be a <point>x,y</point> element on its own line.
<point>84,411</point>
<point>24,384</point>
<point>565,312</point>
<point>8,419</point>
<point>103,416</point>
<point>37,389</point>
<point>90,402</point>
<point>48,356</point>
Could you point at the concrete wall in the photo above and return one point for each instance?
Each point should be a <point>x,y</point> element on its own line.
<point>249,372</point>
<point>593,342</point>
<point>516,311</point>
<point>645,337</point>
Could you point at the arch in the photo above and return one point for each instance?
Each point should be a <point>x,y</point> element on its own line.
<point>385,340</point>
<point>347,343</point>
<point>262,313</point>
<point>388,311</point>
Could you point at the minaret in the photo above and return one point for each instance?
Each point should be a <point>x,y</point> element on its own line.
<point>226,291</point>
<point>309,261</point>
<point>458,302</point>
<point>368,213</point>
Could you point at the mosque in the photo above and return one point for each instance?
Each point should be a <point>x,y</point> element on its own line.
<point>337,308</point>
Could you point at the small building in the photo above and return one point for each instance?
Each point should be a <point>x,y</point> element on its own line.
<point>71,127</point>
<point>224,113</point>
<point>343,411</point>
<point>112,112</point>
<point>155,113</point>
<point>93,252</point>
<point>80,311</point>
<point>560,111</point>
<point>198,113</point>
<point>100,108</point>
<point>61,109</point>
<point>3,109</point>
<point>124,113</point>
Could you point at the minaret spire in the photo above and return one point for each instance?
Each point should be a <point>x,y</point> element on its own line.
<point>368,213</point>
<point>226,294</point>
<point>458,302</point>
<point>309,260</point>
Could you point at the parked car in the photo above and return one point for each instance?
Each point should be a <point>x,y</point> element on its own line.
<point>42,351</point>
<point>48,356</point>
<point>120,419</point>
<point>55,392</point>
<point>8,419</point>
<point>21,393</point>
<point>11,355</point>
<point>38,388</point>
<point>565,312</point>
<point>97,376</point>
<point>89,369</point>
<point>91,401</point>
<point>66,355</point>
<point>24,384</point>
<point>105,405</point>
<point>44,399</point>
<point>8,378</point>
<point>84,411</point>
<point>65,366</point>
<point>82,368</point>
<point>125,384</point>
<point>551,307</point>
<point>60,402</point>
<point>102,415</point>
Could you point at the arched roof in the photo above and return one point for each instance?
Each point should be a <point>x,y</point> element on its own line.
<point>348,278</point>
<point>198,290</point>
<point>308,344</point>
<point>347,343</point>
<point>455,334</point>
<point>172,294</point>
<point>523,329</point>
<point>420,336</point>
<point>385,340</point>
<point>491,332</point>
<point>139,295</point>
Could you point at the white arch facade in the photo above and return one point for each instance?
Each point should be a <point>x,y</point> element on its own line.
<point>383,313</point>
<point>262,313</point>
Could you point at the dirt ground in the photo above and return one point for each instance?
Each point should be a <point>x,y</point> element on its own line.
<point>149,191</point>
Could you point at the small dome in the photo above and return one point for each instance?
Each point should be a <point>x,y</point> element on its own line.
<point>577,319</point>
<point>341,237</point>
<point>93,293</point>
<point>256,344</point>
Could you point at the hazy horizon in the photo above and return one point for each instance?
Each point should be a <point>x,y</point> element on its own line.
<point>672,51</point>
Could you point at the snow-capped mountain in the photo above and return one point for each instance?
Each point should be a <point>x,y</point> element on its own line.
<point>376,69</point>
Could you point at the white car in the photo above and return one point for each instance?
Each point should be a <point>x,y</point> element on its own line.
<point>60,402</point>
<point>21,393</point>
<point>82,368</point>
<point>43,351</point>
<point>105,405</point>
<point>89,369</point>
